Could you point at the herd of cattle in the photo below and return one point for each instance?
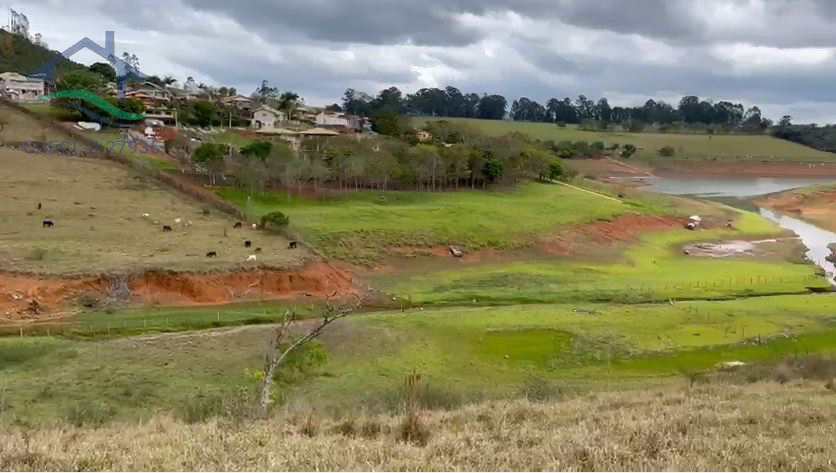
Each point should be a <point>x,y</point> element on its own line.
<point>49,223</point>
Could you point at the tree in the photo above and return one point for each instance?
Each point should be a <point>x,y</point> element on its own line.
<point>265,93</point>
<point>334,108</point>
<point>259,150</point>
<point>204,113</point>
<point>81,80</point>
<point>105,70</point>
<point>288,102</point>
<point>492,107</point>
<point>785,122</point>
<point>211,156</point>
<point>357,103</point>
<point>493,170</point>
<point>389,123</point>
<point>283,344</point>
<point>131,105</point>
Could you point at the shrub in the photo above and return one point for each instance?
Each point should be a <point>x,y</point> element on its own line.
<point>539,389</point>
<point>89,414</point>
<point>275,220</point>
<point>555,170</point>
<point>629,150</point>
<point>597,146</point>
<point>667,151</point>
<point>412,430</point>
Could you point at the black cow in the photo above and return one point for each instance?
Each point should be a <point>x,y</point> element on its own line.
<point>292,245</point>
<point>248,244</point>
<point>258,250</point>
<point>167,228</point>
<point>212,254</point>
<point>48,224</point>
<point>238,225</point>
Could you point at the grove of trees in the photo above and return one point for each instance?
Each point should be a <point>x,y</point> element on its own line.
<point>691,111</point>
<point>458,158</point>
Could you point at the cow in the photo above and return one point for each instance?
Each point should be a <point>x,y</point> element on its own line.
<point>48,224</point>
<point>238,225</point>
<point>252,258</point>
<point>292,245</point>
<point>212,254</point>
<point>258,250</point>
<point>248,244</point>
<point>167,228</point>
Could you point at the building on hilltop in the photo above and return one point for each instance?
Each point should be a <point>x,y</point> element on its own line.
<point>20,88</point>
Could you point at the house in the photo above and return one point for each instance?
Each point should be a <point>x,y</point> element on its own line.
<point>304,113</point>
<point>290,136</point>
<point>20,88</point>
<point>157,101</point>
<point>239,102</point>
<point>330,119</point>
<point>266,117</point>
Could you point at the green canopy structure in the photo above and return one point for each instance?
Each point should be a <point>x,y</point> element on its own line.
<point>99,103</point>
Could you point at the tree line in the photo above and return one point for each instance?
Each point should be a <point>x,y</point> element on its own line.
<point>457,157</point>
<point>451,102</point>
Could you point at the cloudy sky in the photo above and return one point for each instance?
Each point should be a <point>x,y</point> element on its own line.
<point>778,54</point>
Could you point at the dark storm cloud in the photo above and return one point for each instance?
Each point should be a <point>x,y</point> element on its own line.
<point>781,52</point>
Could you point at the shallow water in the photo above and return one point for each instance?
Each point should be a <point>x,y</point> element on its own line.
<point>815,239</point>
<point>729,187</point>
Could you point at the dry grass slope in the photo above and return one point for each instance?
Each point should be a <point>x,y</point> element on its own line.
<point>760,426</point>
<point>98,208</point>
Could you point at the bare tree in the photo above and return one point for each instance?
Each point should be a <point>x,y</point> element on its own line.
<point>282,345</point>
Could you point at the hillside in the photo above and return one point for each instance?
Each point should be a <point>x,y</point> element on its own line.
<point>733,148</point>
<point>17,54</point>
<point>714,427</point>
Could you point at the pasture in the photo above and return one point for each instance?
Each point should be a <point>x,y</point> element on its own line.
<point>98,209</point>
<point>464,353</point>
<point>360,227</point>
<point>725,148</point>
<point>654,269</point>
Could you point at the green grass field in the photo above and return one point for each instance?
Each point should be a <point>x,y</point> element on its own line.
<point>654,269</point>
<point>358,227</point>
<point>467,353</point>
<point>688,146</point>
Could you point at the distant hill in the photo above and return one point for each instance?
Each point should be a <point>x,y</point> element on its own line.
<point>17,54</point>
<point>819,137</point>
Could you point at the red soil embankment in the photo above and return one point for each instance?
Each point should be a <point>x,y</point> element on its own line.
<point>32,297</point>
<point>582,239</point>
<point>817,207</point>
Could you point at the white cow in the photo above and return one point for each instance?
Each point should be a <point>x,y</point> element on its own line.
<point>252,258</point>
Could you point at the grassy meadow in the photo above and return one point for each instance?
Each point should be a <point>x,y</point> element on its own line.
<point>359,227</point>
<point>651,270</point>
<point>688,146</point>
<point>465,354</point>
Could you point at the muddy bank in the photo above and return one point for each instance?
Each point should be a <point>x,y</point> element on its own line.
<point>34,298</point>
<point>751,169</point>
<point>815,206</point>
